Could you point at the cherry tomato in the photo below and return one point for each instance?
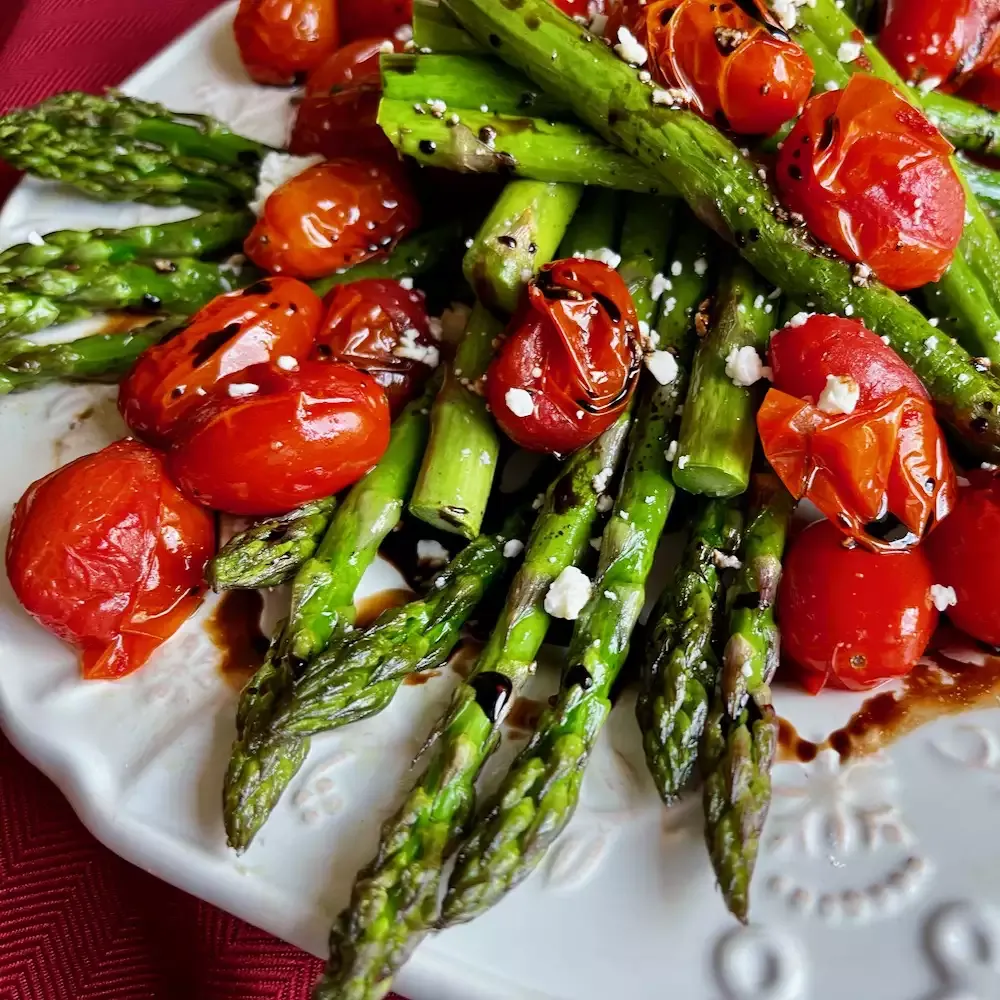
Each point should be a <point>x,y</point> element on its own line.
<point>381,328</point>
<point>963,551</point>
<point>337,114</point>
<point>331,216</point>
<point>267,439</point>
<point>737,69</point>
<point>571,355</point>
<point>983,86</point>
<point>872,177</point>
<point>273,318</point>
<point>108,555</point>
<point>849,617</point>
<point>585,9</point>
<point>282,40</point>
<point>368,18</point>
<point>928,41</point>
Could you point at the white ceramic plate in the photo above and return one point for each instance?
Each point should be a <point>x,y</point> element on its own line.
<point>878,881</point>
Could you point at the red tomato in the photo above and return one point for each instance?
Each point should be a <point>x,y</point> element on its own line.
<point>849,617</point>
<point>267,439</point>
<point>367,18</point>
<point>803,356</point>
<point>337,115</point>
<point>585,9</point>
<point>108,555</point>
<point>927,40</point>
<point>738,70</point>
<point>365,325</point>
<point>282,40</point>
<point>272,318</point>
<point>331,216</point>
<point>963,551</point>
<point>872,177</point>
<point>983,86</point>
<point>572,353</point>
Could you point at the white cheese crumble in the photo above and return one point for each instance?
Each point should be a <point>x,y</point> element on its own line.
<point>840,395</point>
<point>287,363</point>
<point>676,268</point>
<point>568,594</point>
<point>662,365</point>
<point>723,560</point>
<point>744,367</point>
<point>849,51</point>
<point>658,286</point>
<point>683,461</point>
<point>35,240</point>
<point>629,49</point>
<point>799,319</point>
<point>611,595</point>
<point>671,451</point>
<point>240,389</point>
<point>431,552</point>
<point>929,83</point>
<point>943,597</point>
<point>277,169</point>
<point>604,255</point>
<point>604,503</point>
<point>600,481</point>
<point>700,267</point>
<point>519,402</point>
<point>513,548</point>
<point>787,11</point>
<point>406,283</point>
<point>411,349</point>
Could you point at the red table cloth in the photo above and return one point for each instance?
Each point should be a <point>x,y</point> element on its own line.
<point>77,922</point>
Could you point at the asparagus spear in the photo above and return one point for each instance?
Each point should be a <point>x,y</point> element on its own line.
<point>679,672</point>
<point>458,469</point>
<point>271,552</point>
<point>538,796</point>
<point>262,764</point>
<point>22,312</point>
<point>394,902</point>
<point>434,28</point>
<point>595,227</point>
<point>724,189</point>
<point>118,148</point>
<point>646,234</point>
<point>201,236</point>
<point>740,737</point>
<point>103,356</point>
<point>361,676</point>
<point>719,429</point>
<point>967,126</point>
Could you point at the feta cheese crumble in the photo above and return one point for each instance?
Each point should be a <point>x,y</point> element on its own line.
<point>849,51</point>
<point>604,255</point>
<point>629,49</point>
<point>840,395</point>
<point>600,481</point>
<point>744,367</point>
<point>671,451</point>
<point>431,552</point>
<point>519,402</point>
<point>568,594</point>
<point>663,366</point>
<point>277,169</point>
<point>287,363</point>
<point>513,548</point>
<point>943,597</point>
<point>240,389</point>
<point>658,286</point>
<point>410,348</point>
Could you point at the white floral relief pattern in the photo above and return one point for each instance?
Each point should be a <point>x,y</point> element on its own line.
<point>836,812</point>
<point>963,943</point>
<point>756,963</point>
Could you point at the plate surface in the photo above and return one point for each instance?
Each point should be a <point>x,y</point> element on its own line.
<point>879,880</point>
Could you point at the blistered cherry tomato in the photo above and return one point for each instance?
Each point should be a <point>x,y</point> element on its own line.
<point>849,617</point>
<point>367,18</point>
<point>937,44</point>
<point>331,216</point>
<point>108,555</point>
<point>737,69</point>
<point>570,360</point>
<point>271,319</point>
<point>337,114</point>
<point>983,86</point>
<point>586,9</point>
<point>872,177</point>
<point>381,328</point>
<point>282,40</point>
<point>268,439</point>
<point>964,551</point>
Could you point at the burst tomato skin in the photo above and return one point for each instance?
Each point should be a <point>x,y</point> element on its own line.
<point>364,325</point>
<point>576,355</point>
<point>337,114</point>
<point>737,69</point>
<point>873,179</point>
<point>109,556</point>
<point>963,551</point>
<point>272,318</point>
<point>849,617</point>
<point>926,40</point>
<point>983,86</point>
<point>366,18</point>
<point>581,8</point>
<point>282,40</point>
<point>333,215</point>
<point>267,440</point>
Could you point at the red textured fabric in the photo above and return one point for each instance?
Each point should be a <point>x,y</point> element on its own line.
<point>77,922</point>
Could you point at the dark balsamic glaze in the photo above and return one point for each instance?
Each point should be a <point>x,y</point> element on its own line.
<point>211,343</point>
<point>493,691</point>
<point>234,628</point>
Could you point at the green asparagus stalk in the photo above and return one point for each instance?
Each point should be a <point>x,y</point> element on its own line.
<point>595,227</point>
<point>100,357</point>
<point>719,428</point>
<point>361,676</point>
<point>538,796</point>
<point>436,30</point>
<point>968,126</point>
<point>647,231</point>
<point>522,231</point>
<point>262,763</point>
<point>456,476</point>
<point>22,312</point>
<point>394,902</point>
<point>206,234</point>
<point>679,672</point>
<point>271,552</point>
<point>724,189</point>
<point>118,148</point>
